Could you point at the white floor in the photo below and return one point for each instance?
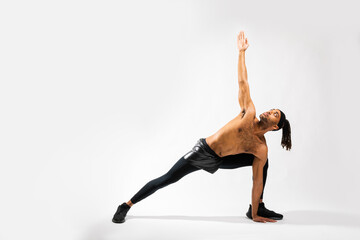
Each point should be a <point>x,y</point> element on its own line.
<point>295,225</point>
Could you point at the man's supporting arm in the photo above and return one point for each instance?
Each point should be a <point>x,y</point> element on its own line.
<point>257,185</point>
<point>258,165</point>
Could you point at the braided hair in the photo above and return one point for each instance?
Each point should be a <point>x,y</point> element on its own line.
<point>286,133</point>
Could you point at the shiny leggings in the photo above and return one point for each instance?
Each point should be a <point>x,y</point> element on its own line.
<point>182,168</point>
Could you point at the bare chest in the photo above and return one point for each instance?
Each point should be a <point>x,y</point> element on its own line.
<point>245,140</point>
<point>237,136</point>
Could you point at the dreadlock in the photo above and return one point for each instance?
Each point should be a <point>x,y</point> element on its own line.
<point>286,135</point>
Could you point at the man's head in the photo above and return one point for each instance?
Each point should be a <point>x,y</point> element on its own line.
<point>275,120</point>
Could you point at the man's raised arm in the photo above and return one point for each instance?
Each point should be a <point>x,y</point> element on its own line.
<point>244,91</point>
<point>242,73</point>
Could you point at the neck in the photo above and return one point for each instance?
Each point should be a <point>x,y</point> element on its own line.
<point>260,128</point>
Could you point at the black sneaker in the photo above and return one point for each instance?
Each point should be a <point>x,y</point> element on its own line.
<point>264,212</point>
<point>119,216</point>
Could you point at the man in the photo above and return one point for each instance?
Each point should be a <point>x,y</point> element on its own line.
<point>241,142</point>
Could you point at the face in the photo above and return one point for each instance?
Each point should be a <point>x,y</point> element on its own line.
<point>272,117</point>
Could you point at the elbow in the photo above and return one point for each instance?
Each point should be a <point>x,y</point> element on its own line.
<point>242,80</point>
<point>243,84</point>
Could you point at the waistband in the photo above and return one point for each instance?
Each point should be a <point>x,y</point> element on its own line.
<point>206,146</point>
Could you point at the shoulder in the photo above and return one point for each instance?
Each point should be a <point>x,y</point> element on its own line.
<point>262,152</point>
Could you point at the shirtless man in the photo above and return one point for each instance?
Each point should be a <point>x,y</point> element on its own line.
<point>241,142</point>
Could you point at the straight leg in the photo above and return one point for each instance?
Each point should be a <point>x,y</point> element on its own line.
<point>179,170</point>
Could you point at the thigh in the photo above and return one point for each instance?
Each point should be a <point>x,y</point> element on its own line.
<point>236,161</point>
<point>181,168</point>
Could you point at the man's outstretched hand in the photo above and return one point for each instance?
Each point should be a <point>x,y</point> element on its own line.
<point>262,219</point>
<point>242,42</point>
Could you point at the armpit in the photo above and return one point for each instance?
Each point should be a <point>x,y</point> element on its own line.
<point>243,113</point>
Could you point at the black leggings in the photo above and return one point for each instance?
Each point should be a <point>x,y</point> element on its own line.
<point>182,168</point>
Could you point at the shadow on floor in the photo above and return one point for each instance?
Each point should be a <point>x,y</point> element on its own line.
<point>292,218</point>
<point>228,219</point>
<point>305,217</point>
<point>103,230</point>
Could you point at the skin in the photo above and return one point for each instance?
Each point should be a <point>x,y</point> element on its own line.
<point>245,132</point>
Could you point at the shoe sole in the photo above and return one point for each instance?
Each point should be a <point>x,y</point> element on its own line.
<point>273,218</point>
<point>114,221</point>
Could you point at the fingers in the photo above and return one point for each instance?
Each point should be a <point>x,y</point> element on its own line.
<point>241,37</point>
<point>261,221</point>
<point>242,41</point>
<point>270,220</point>
<point>264,220</point>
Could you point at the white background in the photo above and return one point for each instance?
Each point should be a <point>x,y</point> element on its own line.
<point>99,97</point>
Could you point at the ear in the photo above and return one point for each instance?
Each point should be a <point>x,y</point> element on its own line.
<point>275,127</point>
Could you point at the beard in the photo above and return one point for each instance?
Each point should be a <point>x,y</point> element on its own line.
<point>263,118</point>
